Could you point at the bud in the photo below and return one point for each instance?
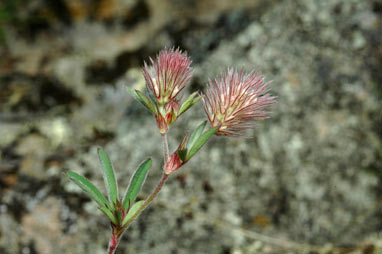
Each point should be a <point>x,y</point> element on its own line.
<point>172,106</point>
<point>173,163</point>
<point>171,109</point>
<point>236,101</point>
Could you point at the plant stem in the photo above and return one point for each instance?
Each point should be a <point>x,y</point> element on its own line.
<point>115,236</point>
<point>149,199</point>
<point>159,186</point>
<point>113,242</point>
<point>165,148</point>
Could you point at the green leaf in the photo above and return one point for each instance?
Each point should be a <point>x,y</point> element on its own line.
<point>132,211</point>
<point>146,101</point>
<point>200,142</point>
<point>133,93</point>
<point>89,188</point>
<point>196,134</point>
<point>142,98</point>
<point>109,214</point>
<point>136,183</point>
<point>191,100</point>
<point>109,176</point>
<point>182,154</point>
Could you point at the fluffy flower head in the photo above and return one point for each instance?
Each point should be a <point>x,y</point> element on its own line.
<point>235,101</point>
<point>168,75</point>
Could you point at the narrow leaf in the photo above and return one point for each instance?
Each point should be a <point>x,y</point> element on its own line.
<point>146,101</point>
<point>200,142</point>
<point>133,93</point>
<point>191,100</point>
<point>89,188</point>
<point>136,183</point>
<point>109,176</point>
<point>142,98</point>
<point>109,214</point>
<point>182,154</point>
<point>132,211</point>
<point>196,134</point>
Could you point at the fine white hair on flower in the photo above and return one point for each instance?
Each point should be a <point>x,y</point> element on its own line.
<point>168,75</point>
<point>236,100</point>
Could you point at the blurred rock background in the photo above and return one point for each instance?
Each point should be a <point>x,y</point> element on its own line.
<point>309,182</point>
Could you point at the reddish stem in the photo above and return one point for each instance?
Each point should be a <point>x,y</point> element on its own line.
<point>115,237</point>
<point>113,242</point>
<point>149,199</point>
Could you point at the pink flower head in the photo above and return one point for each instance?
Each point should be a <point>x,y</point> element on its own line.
<point>236,101</point>
<point>168,75</point>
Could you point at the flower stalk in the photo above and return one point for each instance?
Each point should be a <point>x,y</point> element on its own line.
<point>113,242</point>
<point>149,199</point>
<point>165,147</point>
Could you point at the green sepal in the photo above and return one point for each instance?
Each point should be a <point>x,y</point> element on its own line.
<point>136,183</point>
<point>109,214</point>
<point>109,176</point>
<point>132,211</point>
<point>191,100</point>
<point>142,98</point>
<point>196,134</point>
<point>200,142</point>
<point>89,188</point>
